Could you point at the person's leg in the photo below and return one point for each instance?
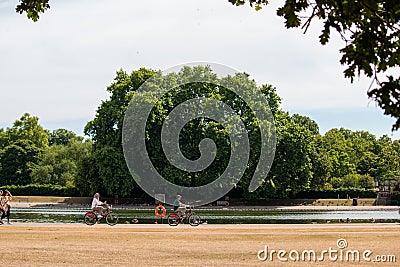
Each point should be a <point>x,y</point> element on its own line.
<point>178,211</point>
<point>8,214</point>
<point>3,214</point>
<point>104,209</point>
<point>181,211</point>
<point>99,210</point>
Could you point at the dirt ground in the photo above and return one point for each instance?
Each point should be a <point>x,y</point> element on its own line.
<point>26,244</point>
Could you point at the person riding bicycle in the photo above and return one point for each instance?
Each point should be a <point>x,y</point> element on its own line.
<point>179,207</point>
<point>97,205</point>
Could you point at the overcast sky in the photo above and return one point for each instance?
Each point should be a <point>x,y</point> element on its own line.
<point>59,67</point>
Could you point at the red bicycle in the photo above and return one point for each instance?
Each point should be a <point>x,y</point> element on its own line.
<point>194,219</point>
<point>91,218</point>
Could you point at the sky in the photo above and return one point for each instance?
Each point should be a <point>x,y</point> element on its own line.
<point>58,68</point>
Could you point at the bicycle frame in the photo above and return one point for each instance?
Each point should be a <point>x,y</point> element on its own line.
<point>187,214</point>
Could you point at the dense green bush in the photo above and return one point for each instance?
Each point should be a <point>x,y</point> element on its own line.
<point>342,192</point>
<point>42,190</point>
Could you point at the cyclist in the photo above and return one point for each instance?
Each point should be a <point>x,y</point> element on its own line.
<point>179,207</point>
<point>97,205</point>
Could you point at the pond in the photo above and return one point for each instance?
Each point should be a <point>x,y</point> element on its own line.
<point>235,216</point>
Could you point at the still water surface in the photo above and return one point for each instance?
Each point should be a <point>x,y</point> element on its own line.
<point>75,215</point>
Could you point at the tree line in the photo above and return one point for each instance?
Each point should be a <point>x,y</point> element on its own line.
<point>304,159</point>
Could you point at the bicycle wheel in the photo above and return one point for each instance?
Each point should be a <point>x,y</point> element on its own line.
<point>112,219</point>
<point>90,218</point>
<point>173,219</point>
<point>194,220</point>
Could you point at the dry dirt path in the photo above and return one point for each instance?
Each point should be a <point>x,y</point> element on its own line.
<point>27,244</point>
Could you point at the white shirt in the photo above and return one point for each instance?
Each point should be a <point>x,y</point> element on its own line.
<point>96,203</point>
<point>8,198</point>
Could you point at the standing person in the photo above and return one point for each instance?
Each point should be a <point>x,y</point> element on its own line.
<point>179,207</point>
<point>6,206</point>
<point>2,206</point>
<point>97,205</point>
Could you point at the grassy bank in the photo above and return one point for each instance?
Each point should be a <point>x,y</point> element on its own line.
<point>51,199</point>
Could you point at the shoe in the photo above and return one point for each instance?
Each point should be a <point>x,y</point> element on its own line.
<point>99,217</point>
<point>1,222</point>
<point>9,223</point>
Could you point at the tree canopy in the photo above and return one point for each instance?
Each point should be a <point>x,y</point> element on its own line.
<point>31,154</point>
<point>304,159</point>
<point>19,147</point>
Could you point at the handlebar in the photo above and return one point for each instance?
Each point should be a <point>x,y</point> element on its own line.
<point>107,206</point>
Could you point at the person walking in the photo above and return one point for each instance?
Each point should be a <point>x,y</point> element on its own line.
<point>2,207</point>
<point>6,206</point>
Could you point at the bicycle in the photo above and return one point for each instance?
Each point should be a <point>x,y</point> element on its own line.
<point>193,218</point>
<point>91,218</point>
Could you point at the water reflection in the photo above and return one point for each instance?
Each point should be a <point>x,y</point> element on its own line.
<point>322,215</point>
<point>75,215</point>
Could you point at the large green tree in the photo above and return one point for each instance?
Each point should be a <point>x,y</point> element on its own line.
<point>107,167</point>
<point>26,128</point>
<point>338,148</point>
<point>15,161</point>
<point>19,147</point>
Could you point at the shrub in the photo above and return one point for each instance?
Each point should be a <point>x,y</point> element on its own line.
<point>342,192</point>
<point>42,190</point>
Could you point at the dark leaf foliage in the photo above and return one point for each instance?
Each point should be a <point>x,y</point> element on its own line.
<point>32,8</point>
